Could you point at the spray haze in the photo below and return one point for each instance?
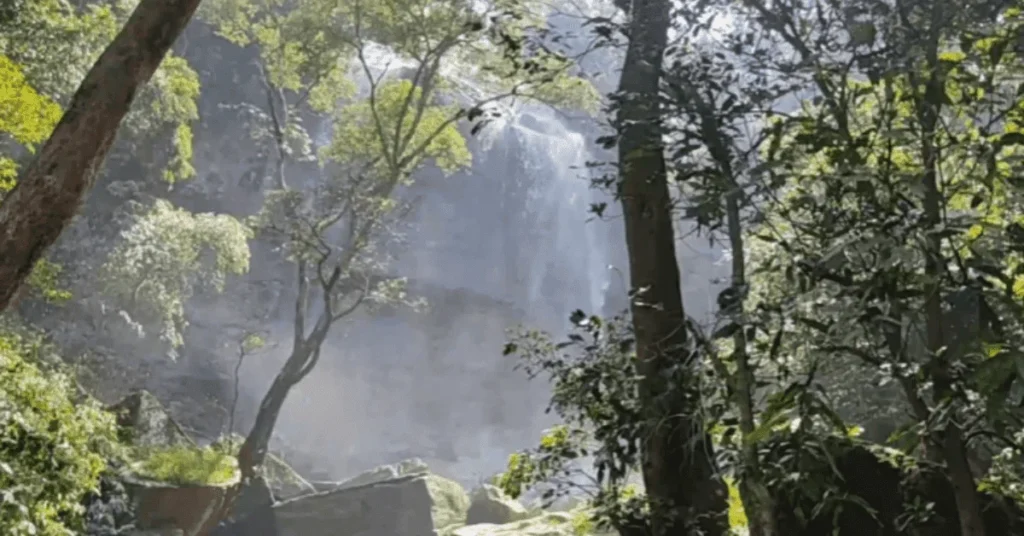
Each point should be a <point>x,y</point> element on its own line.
<point>509,241</point>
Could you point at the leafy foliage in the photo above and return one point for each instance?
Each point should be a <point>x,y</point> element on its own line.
<point>55,43</point>
<point>383,136</point>
<point>595,392</point>
<point>25,115</point>
<point>165,255</point>
<point>188,465</point>
<point>855,227</point>
<point>53,445</point>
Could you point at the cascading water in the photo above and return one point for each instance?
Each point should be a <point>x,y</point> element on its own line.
<point>510,241</point>
<point>521,219</point>
<point>507,242</point>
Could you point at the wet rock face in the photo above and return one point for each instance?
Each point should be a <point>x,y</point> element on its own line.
<point>255,496</point>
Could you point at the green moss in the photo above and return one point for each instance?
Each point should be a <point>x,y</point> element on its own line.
<point>737,516</point>
<point>188,465</point>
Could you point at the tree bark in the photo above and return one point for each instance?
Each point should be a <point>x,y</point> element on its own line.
<point>51,189</point>
<point>253,451</point>
<point>951,438</point>
<point>686,495</point>
<point>754,492</point>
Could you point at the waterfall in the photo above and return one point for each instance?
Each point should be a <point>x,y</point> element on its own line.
<point>509,241</point>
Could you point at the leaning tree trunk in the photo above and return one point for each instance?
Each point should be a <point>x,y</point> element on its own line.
<point>686,495</point>
<point>253,451</point>
<point>51,189</point>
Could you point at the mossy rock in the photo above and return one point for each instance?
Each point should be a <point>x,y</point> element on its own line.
<point>145,423</point>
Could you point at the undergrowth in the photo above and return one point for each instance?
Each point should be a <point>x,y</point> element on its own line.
<point>184,465</point>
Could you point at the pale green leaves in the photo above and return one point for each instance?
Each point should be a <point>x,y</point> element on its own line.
<point>232,18</point>
<point>45,279</point>
<point>54,44</point>
<point>25,115</point>
<point>417,29</point>
<point>331,87</point>
<point>170,99</point>
<point>164,255</point>
<point>253,342</point>
<point>397,131</point>
<point>301,48</point>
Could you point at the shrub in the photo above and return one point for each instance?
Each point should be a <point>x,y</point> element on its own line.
<point>53,447</point>
<point>188,465</point>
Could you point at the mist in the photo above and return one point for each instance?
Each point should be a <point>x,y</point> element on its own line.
<point>509,241</point>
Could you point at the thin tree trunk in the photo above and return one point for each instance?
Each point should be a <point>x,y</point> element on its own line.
<point>952,445</point>
<point>685,493</point>
<point>754,492</point>
<point>253,452</point>
<point>51,189</point>
<point>234,394</point>
<point>757,499</point>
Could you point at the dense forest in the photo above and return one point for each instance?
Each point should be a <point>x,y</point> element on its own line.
<point>192,191</point>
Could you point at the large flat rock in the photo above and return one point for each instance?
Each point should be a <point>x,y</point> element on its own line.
<point>400,507</point>
<point>416,504</point>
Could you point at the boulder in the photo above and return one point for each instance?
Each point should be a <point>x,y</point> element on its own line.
<point>548,524</point>
<point>411,505</point>
<point>489,504</point>
<point>192,509</point>
<point>283,480</point>
<point>145,422</point>
<point>412,466</point>
<point>375,503</point>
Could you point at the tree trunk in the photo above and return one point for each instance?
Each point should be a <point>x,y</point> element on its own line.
<point>253,452</point>
<point>754,492</point>
<point>685,493</point>
<point>51,189</point>
<point>951,438</point>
